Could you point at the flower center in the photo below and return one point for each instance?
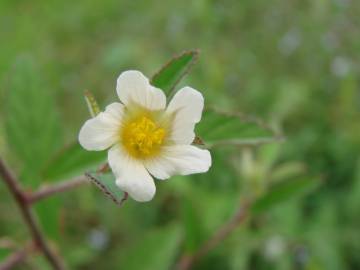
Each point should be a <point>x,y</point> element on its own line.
<point>142,137</point>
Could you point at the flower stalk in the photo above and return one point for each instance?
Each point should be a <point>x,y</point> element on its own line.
<point>49,190</point>
<point>17,257</point>
<point>25,208</point>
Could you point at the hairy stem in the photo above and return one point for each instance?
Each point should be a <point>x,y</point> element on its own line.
<point>50,190</point>
<point>17,257</point>
<point>28,217</point>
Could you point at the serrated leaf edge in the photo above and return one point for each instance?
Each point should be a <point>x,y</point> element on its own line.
<point>278,136</point>
<point>107,192</point>
<point>195,52</point>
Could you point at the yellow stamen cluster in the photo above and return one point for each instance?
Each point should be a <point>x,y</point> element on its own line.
<point>142,137</point>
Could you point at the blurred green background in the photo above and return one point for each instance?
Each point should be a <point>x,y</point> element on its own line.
<point>294,63</point>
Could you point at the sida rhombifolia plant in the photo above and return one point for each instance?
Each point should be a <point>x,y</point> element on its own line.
<point>150,133</point>
<point>153,131</point>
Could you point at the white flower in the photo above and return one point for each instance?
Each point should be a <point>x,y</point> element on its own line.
<point>146,137</point>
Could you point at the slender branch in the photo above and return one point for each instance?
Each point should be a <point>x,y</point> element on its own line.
<point>187,261</point>
<point>28,217</point>
<point>50,190</point>
<point>16,258</point>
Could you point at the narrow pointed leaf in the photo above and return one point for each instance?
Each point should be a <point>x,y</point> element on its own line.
<point>171,73</point>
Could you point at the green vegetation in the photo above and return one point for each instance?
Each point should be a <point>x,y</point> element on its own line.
<point>294,64</point>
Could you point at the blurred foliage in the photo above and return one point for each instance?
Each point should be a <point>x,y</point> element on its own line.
<point>293,63</point>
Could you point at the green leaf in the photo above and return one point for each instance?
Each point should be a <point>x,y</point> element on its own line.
<point>171,73</point>
<point>193,225</point>
<point>32,122</point>
<point>156,250</point>
<point>285,191</point>
<point>73,160</point>
<point>33,131</point>
<point>219,128</point>
<point>106,183</point>
<point>4,253</point>
<point>48,212</point>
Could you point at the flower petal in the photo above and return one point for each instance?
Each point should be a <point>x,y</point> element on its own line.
<point>179,159</point>
<point>102,131</point>
<point>186,106</point>
<point>131,175</point>
<point>133,87</point>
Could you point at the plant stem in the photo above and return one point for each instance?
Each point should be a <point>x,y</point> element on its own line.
<point>187,261</point>
<point>50,190</point>
<point>16,258</point>
<point>29,219</point>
